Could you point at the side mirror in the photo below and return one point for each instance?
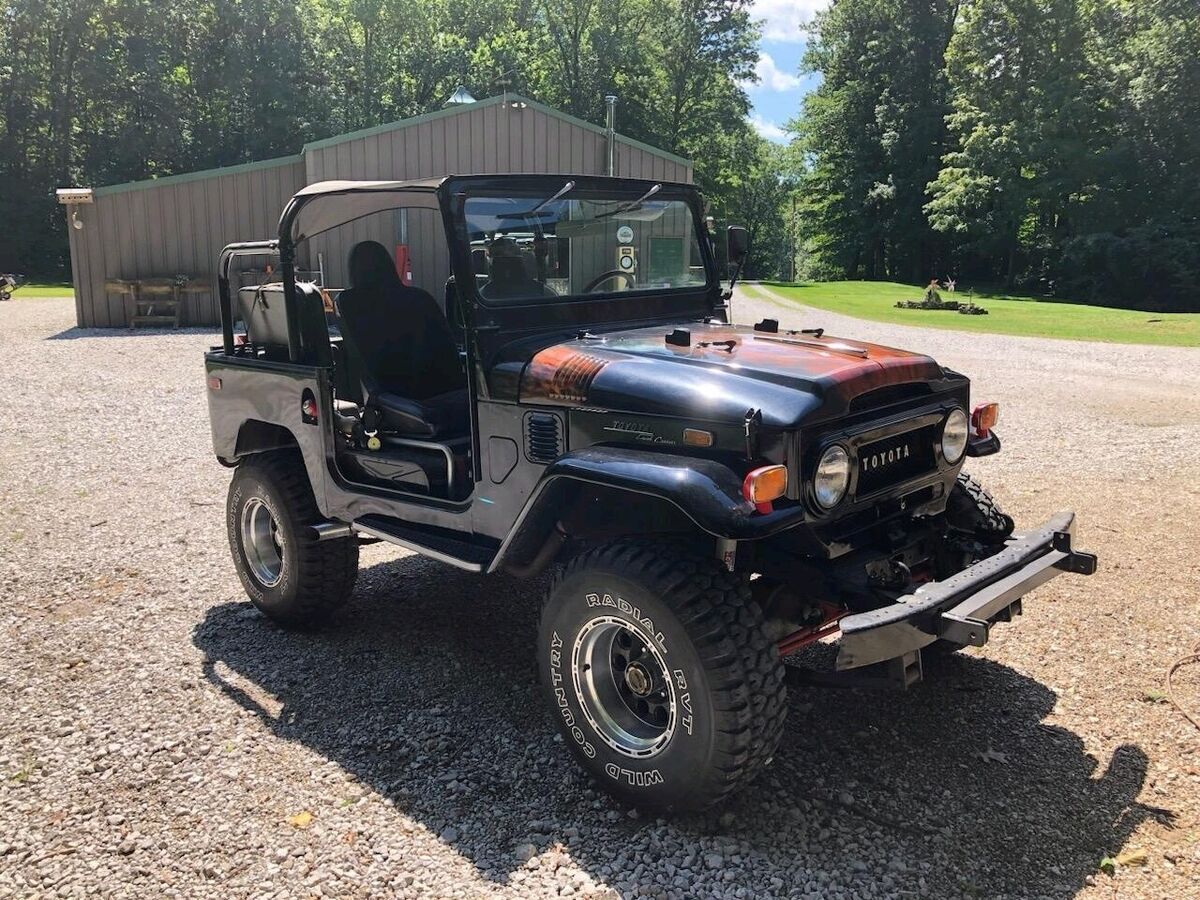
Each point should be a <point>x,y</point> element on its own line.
<point>738,243</point>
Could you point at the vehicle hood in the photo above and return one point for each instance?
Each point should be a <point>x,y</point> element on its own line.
<point>718,374</point>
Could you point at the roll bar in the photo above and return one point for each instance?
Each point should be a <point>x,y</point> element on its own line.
<point>228,255</point>
<point>284,247</point>
<point>427,194</point>
<point>287,265</point>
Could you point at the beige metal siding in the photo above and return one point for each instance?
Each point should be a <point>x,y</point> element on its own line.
<point>173,227</point>
<point>179,225</point>
<point>481,139</point>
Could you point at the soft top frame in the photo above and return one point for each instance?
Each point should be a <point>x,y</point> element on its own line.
<point>329,204</point>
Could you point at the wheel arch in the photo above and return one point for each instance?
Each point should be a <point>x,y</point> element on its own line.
<point>259,436</point>
<point>607,492</point>
<point>576,511</point>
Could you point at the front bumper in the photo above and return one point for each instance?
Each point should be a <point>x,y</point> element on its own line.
<point>962,608</point>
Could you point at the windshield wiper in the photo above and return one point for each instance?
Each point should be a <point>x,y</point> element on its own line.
<point>565,189</point>
<point>632,204</point>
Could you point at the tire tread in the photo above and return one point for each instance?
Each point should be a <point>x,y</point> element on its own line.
<point>980,505</point>
<point>327,569</point>
<point>725,625</point>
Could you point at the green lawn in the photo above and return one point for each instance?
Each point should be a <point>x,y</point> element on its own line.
<point>43,289</point>
<point>1007,313</point>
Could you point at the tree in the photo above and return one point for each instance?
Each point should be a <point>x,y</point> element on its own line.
<point>1023,106</point>
<point>104,91</point>
<point>752,193</point>
<point>874,132</point>
<point>1077,165</point>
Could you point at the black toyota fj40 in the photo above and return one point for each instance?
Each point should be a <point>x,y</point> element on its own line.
<point>711,497</point>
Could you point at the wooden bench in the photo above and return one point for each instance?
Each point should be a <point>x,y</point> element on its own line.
<point>155,301</point>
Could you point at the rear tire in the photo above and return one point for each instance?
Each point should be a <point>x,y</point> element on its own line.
<point>287,573</point>
<point>661,677</point>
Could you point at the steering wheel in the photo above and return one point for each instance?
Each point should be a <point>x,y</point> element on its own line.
<point>611,273</point>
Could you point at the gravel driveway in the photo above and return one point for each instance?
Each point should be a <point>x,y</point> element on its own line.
<point>158,737</point>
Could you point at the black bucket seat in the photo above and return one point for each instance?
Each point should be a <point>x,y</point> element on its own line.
<point>401,351</point>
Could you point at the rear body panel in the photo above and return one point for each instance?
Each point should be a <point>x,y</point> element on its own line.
<point>253,391</point>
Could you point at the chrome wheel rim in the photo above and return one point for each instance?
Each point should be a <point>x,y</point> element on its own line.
<point>624,687</point>
<point>262,543</point>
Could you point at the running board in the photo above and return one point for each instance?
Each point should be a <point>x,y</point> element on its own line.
<point>436,545</point>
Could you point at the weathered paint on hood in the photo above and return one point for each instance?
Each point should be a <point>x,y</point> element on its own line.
<point>789,376</point>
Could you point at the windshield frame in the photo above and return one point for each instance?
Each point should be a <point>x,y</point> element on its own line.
<point>457,191</point>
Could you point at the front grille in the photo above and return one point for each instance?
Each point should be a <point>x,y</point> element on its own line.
<point>896,459</point>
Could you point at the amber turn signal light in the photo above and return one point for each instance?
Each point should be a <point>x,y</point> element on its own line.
<point>763,485</point>
<point>694,437</point>
<point>984,418</point>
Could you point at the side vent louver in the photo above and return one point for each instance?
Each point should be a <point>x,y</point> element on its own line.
<point>543,437</point>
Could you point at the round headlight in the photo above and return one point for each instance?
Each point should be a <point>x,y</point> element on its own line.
<point>832,478</point>
<point>954,436</point>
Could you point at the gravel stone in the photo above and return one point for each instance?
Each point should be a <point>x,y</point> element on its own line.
<point>157,734</point>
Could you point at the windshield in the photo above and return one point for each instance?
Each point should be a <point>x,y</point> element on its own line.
<point>563,243</point>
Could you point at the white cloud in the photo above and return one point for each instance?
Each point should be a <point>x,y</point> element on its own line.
<point>783,19</point>
<point>769,130</point>
<point>771,77</point>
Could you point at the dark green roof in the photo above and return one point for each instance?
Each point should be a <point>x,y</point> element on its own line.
<point>197,176</point>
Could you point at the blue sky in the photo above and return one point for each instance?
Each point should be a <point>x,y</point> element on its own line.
<point>776,97</point>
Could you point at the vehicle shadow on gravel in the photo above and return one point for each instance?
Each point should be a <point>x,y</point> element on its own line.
<point>426,692</point>
<point>74,334</point>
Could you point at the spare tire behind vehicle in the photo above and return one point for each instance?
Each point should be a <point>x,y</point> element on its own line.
<point>287,573</point>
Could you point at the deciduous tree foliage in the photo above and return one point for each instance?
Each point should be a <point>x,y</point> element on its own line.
<point>103,91</point>
<point>1051,144</point>
<point>874,133</point>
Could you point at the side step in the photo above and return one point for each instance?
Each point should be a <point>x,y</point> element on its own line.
<point>437,543</point>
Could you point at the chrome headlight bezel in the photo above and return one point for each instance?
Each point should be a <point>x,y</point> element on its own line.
<point>831,478</point>
<point>956,429</point>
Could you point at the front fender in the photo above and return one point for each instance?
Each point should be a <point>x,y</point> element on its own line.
<point>707,492</point>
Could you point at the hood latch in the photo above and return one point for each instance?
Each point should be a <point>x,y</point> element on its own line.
<point>753,423</point>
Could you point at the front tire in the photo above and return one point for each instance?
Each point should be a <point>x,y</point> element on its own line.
<point>660,675</point>
<point>972,509</point>
<point>287,573</point>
